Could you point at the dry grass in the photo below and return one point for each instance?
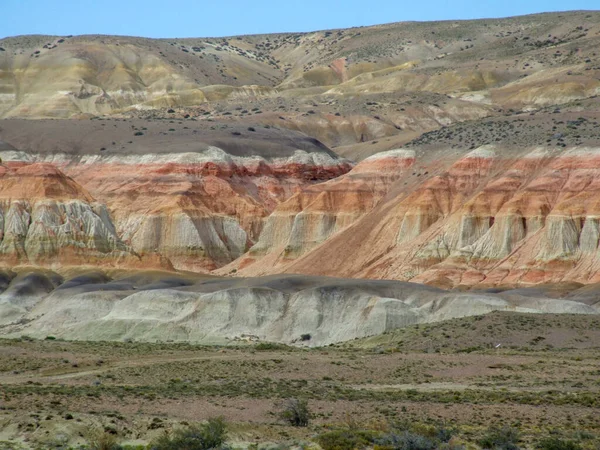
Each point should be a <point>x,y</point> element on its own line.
<point>139,390</point>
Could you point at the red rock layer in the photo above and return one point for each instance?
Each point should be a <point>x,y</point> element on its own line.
<point>46,218</point>
<point>317,212</point>
<point>488,219</point>
<point>198,215</point>
<point>20,180</point>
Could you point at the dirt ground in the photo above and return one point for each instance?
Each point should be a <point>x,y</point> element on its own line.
<point>54,392</point>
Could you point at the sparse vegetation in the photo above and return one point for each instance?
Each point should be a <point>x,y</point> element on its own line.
<point>295,412</point>
<point>405,440</point>
<point>268,346</point>
<point>335,381</point>
<point>99,439</point>
<point>555,443</point>
<point>346,439</point>
<point>209,436</point>
<point>500,438</point>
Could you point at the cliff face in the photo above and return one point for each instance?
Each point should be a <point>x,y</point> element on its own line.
<point>201,212</point>
<point>488,219</point>
<point>151,306</point>
<point>313,215</point>
<point>273,201</point>
<point>195,210</point>
<point>46,218</point>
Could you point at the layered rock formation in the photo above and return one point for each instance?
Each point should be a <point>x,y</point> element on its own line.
<point>314,214</point>
<point>490,218</point>
<point>157,307</point>
<point>46,218</point>
<point>192,210</point>
<point>516,62</point>
<point>202,154</point>
<point>199,210</point>
<point>270,201</point>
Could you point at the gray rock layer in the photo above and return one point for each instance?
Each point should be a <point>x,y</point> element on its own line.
<point>215,310</point>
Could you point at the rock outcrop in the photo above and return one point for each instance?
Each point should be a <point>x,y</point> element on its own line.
<point>200,211</point>
<point>191,210</point>
<point>46,218</point>
<point>317,212</point>
<point>493,217</point>
<point>158,307</point>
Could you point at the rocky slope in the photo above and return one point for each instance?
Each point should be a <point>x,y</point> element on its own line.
<point>196,203</point>
<point>46,218</point>
<point>497,215</point>
<point>472,152</point>
<point>514,63</point>
<point>314,214</point>
<point>155,306</point>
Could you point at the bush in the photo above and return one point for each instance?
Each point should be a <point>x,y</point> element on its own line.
<point>265,346</point>
<point>438,433</point>
<point>406,441</point>
<point>505,438</point>
<point>444,434</point>
<point>208,436</point>
<point>99,439</point>
<point>295,412</point>
<point>554,443</point>
<point>346,439</point>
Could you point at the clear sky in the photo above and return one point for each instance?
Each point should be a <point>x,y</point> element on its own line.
<point>208,18</point>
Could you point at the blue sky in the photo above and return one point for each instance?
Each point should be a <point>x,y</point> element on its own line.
<point>202,18</point>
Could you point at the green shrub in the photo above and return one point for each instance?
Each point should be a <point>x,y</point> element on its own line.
<point>346,439</point>
<point>554,443</point>
<point>406,441</point>
<point>504,438</point>
<point>295,412</point>
<point>99,439</point>
<point>10,445</point>
<point>444,434</point>
<point>265,346</point>
<point>208,436</point>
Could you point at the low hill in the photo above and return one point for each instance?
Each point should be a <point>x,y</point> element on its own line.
<point>314,311</point>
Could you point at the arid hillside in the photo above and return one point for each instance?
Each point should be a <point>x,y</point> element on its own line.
<point>457,154</point>
<point>369,238</point>
<point>516,62</point>
<point>153,306</point>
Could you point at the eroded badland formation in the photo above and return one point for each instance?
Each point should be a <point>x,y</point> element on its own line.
<point>363,220</point>
<point>148,185</point>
